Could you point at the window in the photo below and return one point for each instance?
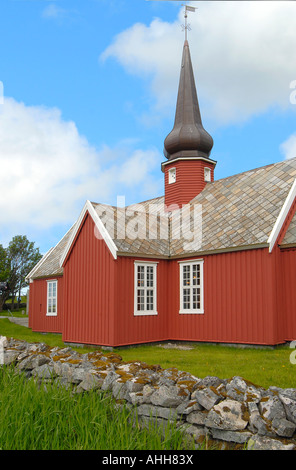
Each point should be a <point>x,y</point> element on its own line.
<point>145,289</point>
<point>207,174</point>
<point>172,175</point>
<point>191,287</point>
<point>52,290</point>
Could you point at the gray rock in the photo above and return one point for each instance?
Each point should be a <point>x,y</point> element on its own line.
<point>211,381</point>
<point>290,407</point>
<point>108,381</point>
<point>206,397</point>
<point>119,390</point>
<point>197,417</point>
<point>33,361</point>
<point>242,391</point>
<point>283,427</point>
<point>227,415</point>
<point>167,396</point>
<point>265,443</point>
<point>239,437</point>
<point>134,385</point>
<point>44,372</point>
<point>8,357</point>
<point>198,433</point>
<point>90,381</point>
<point>188,407</point>
<point>271,408</point>
<point>157,411</point>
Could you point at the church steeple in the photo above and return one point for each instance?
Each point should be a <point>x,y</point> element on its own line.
<point>188,146</point>
<point>188,137</point>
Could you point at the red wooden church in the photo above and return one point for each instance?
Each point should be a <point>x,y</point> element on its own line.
<point>211,261</point>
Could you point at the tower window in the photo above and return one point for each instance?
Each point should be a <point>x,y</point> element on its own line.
<point>172,175</point>
<point>207,174</point>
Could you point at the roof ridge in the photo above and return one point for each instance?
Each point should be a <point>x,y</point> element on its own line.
<point>286,160</point>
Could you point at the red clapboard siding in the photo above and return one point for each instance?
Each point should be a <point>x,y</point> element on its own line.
<point>189,180</point>
<point>38,320</point>
<point>89,290</point>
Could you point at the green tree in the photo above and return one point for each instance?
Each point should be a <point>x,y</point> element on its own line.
<point>5,269</point>
<point>23,257</point>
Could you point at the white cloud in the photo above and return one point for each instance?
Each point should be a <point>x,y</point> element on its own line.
<point>48,169</point>
<point>288,148</point>
<point>53,11</point>
<point>243,54</point>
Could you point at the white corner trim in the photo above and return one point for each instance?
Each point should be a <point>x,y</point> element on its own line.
<point>88,207</point>
<point>40,262</point>
<point>282,217</point>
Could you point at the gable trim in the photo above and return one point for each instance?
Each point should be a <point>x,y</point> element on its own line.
<point>282,217</point>
<point>88,207</point>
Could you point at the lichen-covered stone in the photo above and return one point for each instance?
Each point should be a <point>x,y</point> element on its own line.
<point>228,415</point>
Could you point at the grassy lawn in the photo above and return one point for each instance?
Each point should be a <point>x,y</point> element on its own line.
<point>263,367</point>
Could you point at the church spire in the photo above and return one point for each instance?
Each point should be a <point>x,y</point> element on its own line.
<point>188,137</point>
<point>188,168</point>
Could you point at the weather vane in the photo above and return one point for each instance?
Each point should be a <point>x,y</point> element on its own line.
<point>186,26</point>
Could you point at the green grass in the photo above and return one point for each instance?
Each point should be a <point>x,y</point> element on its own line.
<point>15,313</point>
<point>265,367</point>
<point>50,417</point>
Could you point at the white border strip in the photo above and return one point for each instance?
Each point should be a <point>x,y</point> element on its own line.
<point>282,217</point>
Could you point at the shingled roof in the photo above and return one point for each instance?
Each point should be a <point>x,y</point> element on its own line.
<point>237,212</point>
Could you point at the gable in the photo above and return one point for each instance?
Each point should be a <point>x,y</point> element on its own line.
<point>102,232</point>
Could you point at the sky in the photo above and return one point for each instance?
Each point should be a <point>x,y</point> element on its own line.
<point>88,92</point>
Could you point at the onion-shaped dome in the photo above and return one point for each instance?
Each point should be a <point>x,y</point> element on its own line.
<point>188,137</point>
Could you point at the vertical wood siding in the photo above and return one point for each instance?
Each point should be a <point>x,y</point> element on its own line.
<point>189,181</point>
<point>239,300</point>
<point>89,290</point>
<point>132,329</point>
<point>288,297</point>
<point>38,320</point>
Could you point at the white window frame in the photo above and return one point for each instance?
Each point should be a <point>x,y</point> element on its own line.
<point>191,287</point>
<point>207,174</point>
<point>48,312</point>
<point>145,288</point>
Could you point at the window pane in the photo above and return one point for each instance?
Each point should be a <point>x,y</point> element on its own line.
<point>141,275</point>
<point>149,299</point>
<point>186,275</point>
<point>196,274</point>
<point>49,306</point>
<point>149,276</point>
<point>54,289</point>
<point>140,299</point>
<point>186,298</point>
<point>196,298</point>
<point>50,289</point>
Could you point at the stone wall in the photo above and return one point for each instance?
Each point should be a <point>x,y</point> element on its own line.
<point>233,411</point>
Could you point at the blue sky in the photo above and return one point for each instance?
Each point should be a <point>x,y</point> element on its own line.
<point>89,93</point>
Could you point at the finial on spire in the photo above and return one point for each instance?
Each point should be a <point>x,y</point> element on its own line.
<point>186,26</point>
